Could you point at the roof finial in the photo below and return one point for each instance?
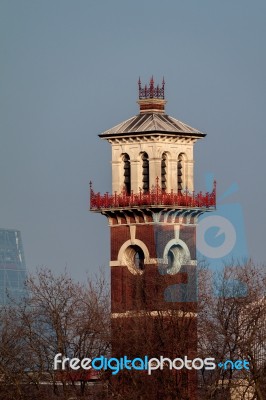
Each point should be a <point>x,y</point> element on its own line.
<point>151,92</point>
<point>151,97</point>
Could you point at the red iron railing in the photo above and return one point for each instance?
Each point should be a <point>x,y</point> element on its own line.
<point>155,197</point>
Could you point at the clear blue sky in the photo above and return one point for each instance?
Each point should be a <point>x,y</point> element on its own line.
<point>69,70</point>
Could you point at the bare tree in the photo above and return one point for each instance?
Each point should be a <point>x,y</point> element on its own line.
<point>62,316</point>
<point>231,325</point>
<point>59,316</point>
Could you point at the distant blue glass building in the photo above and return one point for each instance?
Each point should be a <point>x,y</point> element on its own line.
<point>12,267</point>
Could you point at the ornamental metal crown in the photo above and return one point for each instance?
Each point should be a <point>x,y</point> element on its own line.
<point>151,92</point>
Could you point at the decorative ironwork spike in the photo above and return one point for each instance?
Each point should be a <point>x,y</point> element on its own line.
<point>139,82</point>
<point>151,87</point>
<point>163,83</point>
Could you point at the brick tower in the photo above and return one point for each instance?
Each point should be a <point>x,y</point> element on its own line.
<point>152,214</point>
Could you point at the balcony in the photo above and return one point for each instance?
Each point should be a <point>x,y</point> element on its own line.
<point>155,198</point>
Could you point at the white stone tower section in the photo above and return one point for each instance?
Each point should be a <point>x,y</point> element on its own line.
<point>152,144</point>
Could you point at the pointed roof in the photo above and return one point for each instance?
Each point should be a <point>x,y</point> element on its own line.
<point>152,118</point>
<point>151,123</point>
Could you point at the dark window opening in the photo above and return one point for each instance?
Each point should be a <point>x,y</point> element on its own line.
<point>145,173</point>
<point>163,172</point>
<point>139,258</point>
<point>180,171</point>
<point>127,179</point>
<point>171,259</point>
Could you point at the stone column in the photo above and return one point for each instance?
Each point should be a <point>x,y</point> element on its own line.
<point>155,170</point>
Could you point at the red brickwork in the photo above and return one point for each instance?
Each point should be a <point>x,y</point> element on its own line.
<point>152,324</point>
<point>169,337</point>
<point>155,237</point>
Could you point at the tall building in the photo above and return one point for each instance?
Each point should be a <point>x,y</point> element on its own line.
<point>12,267</point>
<point>152,213</point>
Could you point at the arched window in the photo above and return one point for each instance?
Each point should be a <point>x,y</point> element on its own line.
<point>180,173</point>
<point>127,179</point>
<point>176,257</point>
<point>145,173</point>
<point>134,258</point>
<point>163,172</point>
